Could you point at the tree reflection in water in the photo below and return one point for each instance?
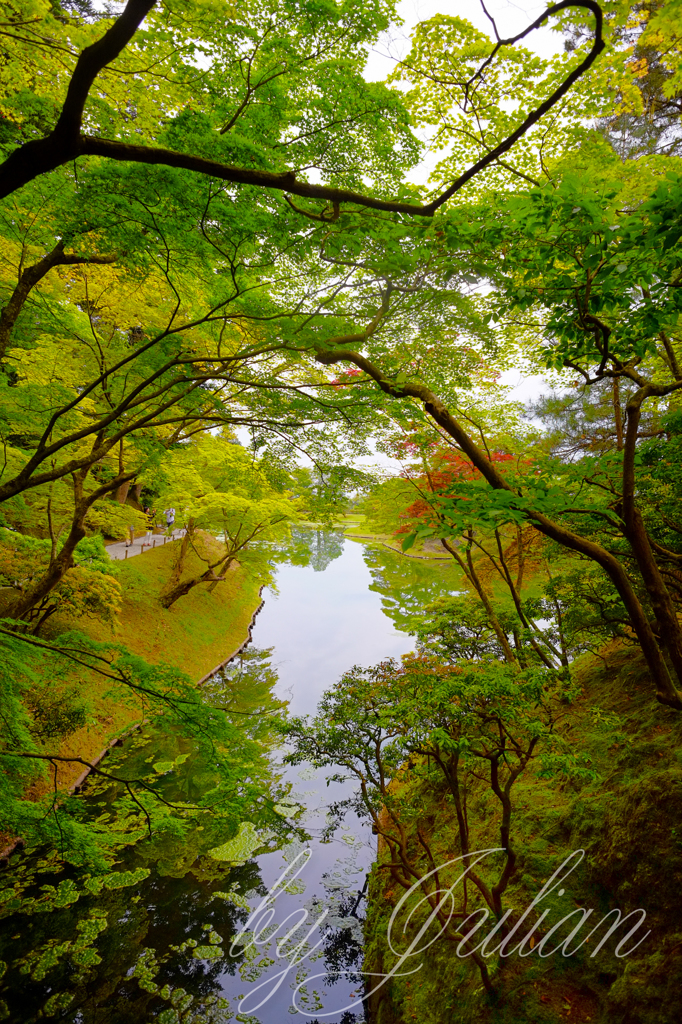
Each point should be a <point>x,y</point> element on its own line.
<point>408,585</point>
<point>178,902</point>
<point>144,958</point>
<point>160,913</point>
<point>343,945</point>
<point>308,546</point>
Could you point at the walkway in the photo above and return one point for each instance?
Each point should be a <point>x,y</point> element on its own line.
<point>119,550</point>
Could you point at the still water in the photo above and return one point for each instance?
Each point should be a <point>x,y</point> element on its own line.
<point>205,940</point>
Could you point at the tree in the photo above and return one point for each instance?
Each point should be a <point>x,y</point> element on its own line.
<point>192,356</point>
<point>188,724</point>
<point>220,489</point>
<point>88,588</point>
<point>645,118</point>
<point>603,287</point>
<point>491,557</point>
<point>87,399</point>
<point>421,732</point>
<point>66,141</point>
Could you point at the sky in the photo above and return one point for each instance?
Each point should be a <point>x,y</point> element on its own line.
<point>510,19</point>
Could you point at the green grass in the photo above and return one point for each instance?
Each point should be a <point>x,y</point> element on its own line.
<point>198,633</point>
<point>354,527</point>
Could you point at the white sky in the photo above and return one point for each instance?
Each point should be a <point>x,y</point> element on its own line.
<point>510,19</point>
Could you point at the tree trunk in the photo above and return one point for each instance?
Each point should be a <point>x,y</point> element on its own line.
<point>59,566</point>
<point>666,691</point>
<point>635,531</point>
<point>515,592</point>
<point>470,572</point>
<point>179,562</point>
<point>176,589</point>
<point>617,414</point>
<point>122,492</point>
<point>171,595</point>
<point>220,572</point>
<point>22,606</point>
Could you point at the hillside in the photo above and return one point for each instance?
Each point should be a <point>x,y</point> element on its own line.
<point>628,822</point>
<point>196,634</point>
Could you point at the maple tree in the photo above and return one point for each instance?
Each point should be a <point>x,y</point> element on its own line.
<point>404,731</point>
<point>220,489</point>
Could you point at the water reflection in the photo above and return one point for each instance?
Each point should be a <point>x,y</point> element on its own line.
<point>406,584</point>
<point>159,951</point>
<point>308,546</point>
<point>323,546</point>
<point>169,953</point>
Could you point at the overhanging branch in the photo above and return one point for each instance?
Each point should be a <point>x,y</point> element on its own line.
<point>66,142</point>
<point>666,691</point>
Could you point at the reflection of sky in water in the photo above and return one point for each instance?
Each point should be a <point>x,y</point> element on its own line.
<point>322,623</point>
<point>334,871</point>
<point>336,612</point>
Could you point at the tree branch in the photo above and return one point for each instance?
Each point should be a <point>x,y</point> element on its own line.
<point>30,278</point>
<point>666,691</point>
<point>66,143</point>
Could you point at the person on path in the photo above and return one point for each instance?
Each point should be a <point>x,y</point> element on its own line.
<point>131,535</point>
<point>150,516</point>
<point>169,513</point>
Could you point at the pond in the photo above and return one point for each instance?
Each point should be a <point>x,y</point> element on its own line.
<point>204,938</point>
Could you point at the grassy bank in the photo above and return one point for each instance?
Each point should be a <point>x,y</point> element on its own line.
<point>628,822</point>
<point>198,633</point>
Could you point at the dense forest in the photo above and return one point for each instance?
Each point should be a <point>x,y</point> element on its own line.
<point>250,297</point>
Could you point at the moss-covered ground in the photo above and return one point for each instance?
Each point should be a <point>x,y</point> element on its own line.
<point>629,822</point>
